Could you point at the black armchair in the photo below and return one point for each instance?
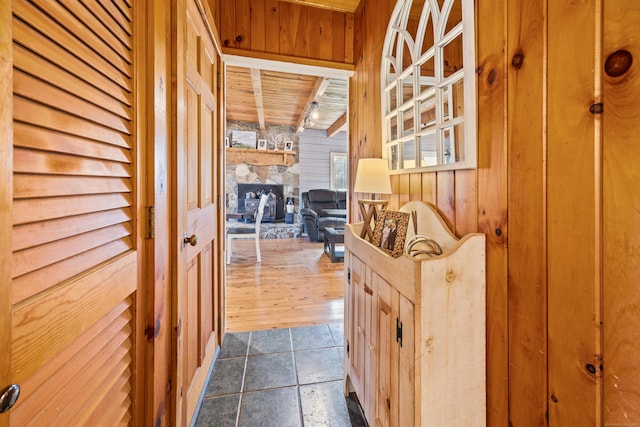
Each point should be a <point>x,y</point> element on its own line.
<point>321,209</point>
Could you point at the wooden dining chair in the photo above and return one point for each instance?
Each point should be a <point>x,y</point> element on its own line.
<point>239,233</point>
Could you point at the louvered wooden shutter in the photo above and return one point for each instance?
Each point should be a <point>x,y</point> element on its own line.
<point>74,263</point>
<point>72,137</point>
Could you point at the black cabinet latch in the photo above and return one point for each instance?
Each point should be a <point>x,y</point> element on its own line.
<point>399,331</point>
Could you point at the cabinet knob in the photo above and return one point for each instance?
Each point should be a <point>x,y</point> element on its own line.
<point>9,397</point>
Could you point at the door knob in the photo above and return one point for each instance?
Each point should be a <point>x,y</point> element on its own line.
<point>192,240</point>
<point>9,397</point>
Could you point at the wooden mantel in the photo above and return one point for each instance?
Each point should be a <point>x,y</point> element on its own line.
<point>260,157</point>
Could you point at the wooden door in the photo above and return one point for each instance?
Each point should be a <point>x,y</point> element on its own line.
<point>71,271</point>
<point>394,367</point>
<point>197,286</point>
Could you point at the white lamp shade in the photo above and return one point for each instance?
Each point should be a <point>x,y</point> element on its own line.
<point>372,176</point>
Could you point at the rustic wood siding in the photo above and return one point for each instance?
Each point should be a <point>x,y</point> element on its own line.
<point>620,209</point>
<point>284,28</point>
<point>562,173</point>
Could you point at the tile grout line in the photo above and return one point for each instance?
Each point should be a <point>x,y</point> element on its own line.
<point>295,371</point>
<point>244,376</point>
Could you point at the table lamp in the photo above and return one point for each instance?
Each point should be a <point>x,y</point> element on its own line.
<point>372,176</point>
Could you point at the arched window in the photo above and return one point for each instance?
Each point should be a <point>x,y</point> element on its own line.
<point>428,86</point>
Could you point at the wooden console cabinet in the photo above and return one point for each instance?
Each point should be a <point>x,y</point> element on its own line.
<point>415,346</point>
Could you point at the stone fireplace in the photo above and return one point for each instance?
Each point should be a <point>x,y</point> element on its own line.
<point>248,197</point>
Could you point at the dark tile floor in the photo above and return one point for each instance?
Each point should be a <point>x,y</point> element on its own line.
<point>280,378</point>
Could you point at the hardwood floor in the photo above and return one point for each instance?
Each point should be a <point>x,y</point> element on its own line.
<point>295,285</point>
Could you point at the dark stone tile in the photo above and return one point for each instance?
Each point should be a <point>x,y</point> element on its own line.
<point>234,345</point>
<point>314,366</point>
<point>227,377</point>
<point>324,404</point>
<point>311,337</point>
<point>270,408</point>
<point>337,333</point>
<point>273,341</point>
<point>269,371</point>
<point>355,411</point>
<point>219,411</point>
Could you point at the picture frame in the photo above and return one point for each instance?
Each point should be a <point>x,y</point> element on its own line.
<point>262,144</point>
<point>288,146</point>
<point>390,232</point>
<point>243,139</point>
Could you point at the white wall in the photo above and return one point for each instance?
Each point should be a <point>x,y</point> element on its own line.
<point>314,155</point>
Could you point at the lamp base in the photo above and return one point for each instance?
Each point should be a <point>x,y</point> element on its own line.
<point>369,211</point>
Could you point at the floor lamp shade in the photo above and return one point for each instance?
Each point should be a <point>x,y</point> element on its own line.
<point>372,176</point>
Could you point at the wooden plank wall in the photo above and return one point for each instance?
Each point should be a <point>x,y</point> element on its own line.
<point>284,28</point>
<point>621,211</point>
<point>562,173</point>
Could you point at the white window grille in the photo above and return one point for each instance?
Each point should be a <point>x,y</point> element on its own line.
<point>428,86</point>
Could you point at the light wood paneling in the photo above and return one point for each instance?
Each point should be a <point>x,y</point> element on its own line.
<point>294,285</point>
<point>539,151</point>
<point>526,177</point>
<point>492,201</point>
<point>287,28</point>
<point>573,198</point>
<point>621,211</point>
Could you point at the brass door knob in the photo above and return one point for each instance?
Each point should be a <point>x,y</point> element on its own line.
<point>192,240</point>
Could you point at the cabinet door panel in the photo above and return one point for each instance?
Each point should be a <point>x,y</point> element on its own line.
<point>386,408</point>
<point>358,319</point>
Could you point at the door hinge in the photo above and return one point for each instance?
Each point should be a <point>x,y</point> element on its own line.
<point>347,348</point>
<point>349,276</point>
<point>151,222</point>
<point>399,331</point>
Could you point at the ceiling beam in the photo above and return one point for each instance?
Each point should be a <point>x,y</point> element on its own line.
<point>310,99</point>
<point>337,125</point>
<point>256,82</point>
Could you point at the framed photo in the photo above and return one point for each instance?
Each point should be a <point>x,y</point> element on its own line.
<point>390,232</point>
<point>288,146</point>
<point>262,144</point>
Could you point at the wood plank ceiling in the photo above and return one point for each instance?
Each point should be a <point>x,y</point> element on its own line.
<point>273,98</point>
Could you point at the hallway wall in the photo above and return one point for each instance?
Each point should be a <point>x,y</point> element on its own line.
<point>554,194</point>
